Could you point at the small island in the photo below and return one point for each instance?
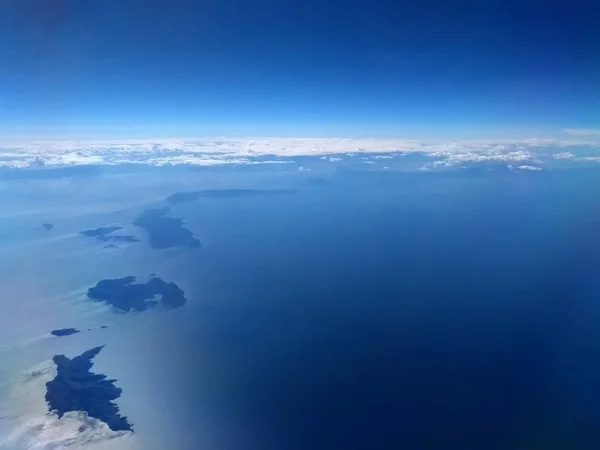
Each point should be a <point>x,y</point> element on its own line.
<point>182,197</point>
<point>76,388</point>
<point>105,234</point>
<point>64,332</point>
<point>126,295</point>
<point>165,232</point>
<point>101,233</point>
<point>47,226</point>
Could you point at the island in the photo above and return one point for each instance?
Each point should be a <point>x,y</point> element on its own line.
<point>105,234</point>
<point>126,295</point>
<point>64,332</point>
<point>181,197</point>
<point>76,388</point>
<point>47,226</point>
<point>101,233</point>
<point>165,232</point>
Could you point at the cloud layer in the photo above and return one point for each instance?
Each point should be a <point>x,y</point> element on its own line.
<point>250,150</point>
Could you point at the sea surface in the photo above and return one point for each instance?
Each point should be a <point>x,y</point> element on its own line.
<point>364,310</point>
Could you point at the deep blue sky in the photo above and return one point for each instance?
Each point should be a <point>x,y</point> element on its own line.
<point>312,67</point>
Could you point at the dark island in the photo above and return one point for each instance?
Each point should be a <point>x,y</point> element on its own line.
<point>75,388</point>
<point>101,233</point>
<point>126,295</point>
<point>164,231</point>
<point>64,332</point>
<point>181,197</point>
<point>47,226</point>
<point>104,234</point>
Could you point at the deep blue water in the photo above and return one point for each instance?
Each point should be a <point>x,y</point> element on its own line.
<point>369,310</point>
<point>448,311</point>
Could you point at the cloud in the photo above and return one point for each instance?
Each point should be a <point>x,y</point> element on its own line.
<point>564,155</point>
<point>331,158</point>
<point>30,426</point>
<point>589,158</point>
<point>73,430</point>
<point>469,155</point>
<point>582,131</point>
<point>527,167</point>
<point>251,150</point>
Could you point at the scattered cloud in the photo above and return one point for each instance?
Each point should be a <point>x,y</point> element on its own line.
<point>572,157</point>
<point>466,155</point>
<point>589,158</point>
<point>564,155</point>
<point>527,167</point>
<point>500,153</point>
<point>331,158</point>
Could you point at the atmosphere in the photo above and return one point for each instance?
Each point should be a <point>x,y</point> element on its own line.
<point>314,68</point>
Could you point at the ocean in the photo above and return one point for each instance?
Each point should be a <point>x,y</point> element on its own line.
<point>369,310</point>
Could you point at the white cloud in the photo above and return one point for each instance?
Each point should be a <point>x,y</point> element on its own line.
<point>462,156</point>
<point>527,167</point>
<point>30,426</point>
<point>589,158</point>
<point>73,430</point>
<point>252,150</point>
<point>564,155</point>
<point>331,158</point>
<point>583,131</point>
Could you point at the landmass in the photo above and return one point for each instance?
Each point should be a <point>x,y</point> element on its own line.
<point>104,234</point>
<point>101,232</point>
<point>76,388</point>
<point>126,295</point>
<point>165,232</point>
<point>64,332</point>
<point>126,239</point>
<point>47,226</point>
<point>182,197</point>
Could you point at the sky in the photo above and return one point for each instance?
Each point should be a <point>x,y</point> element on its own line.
<point>318,68</point>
